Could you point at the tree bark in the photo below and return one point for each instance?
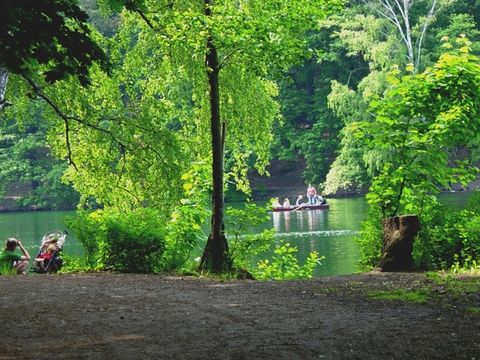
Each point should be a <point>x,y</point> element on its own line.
<point>3,88</point>
<point>398,235</point>
<point>215,256</point>
<point>398,13</point>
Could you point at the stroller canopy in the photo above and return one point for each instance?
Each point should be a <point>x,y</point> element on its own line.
<point>55,234</point>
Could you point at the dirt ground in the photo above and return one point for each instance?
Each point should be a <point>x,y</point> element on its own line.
<point>126,316</point>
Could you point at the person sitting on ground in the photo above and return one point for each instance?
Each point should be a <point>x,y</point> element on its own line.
<point>286,202</point>
<point>276,203</point>
<point>44,259</point>
<point>299,200</point>
<point>10,261</point>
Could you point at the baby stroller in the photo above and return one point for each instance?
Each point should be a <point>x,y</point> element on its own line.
<point>48,259</point>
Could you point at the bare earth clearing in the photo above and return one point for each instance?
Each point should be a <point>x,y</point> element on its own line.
<point>115,316</point>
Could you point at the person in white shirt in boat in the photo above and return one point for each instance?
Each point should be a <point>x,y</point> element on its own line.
<point>319,199</point>
<point>299,200</point>
<point>276,203</point>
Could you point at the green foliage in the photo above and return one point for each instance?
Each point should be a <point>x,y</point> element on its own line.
<point>50,37</point>
<point>73,264</point>
<point>310,129</point>
<point>26,162</point>
<point>132,135</point>
<point>127,242</point>
<point>448,239</point>
<point>369,241</point>
<point>184,230</point>
<point>86,226</point>
<point>437,109</point>
<point>438,241</point>
<point>245,244</point>
<point>284,265</point>
<point>133,242</point>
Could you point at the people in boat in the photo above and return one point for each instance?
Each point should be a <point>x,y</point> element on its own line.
<point>286,203</point>
<point>299,200</point>
<point>320,200</point>
<point>276,203</point>
<point>11,261</point>
<point>311,193</point>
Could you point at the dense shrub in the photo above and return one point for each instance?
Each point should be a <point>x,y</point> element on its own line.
<point>284,265</point>
<point>447,238</point>
<point>86,226</point>
<point>132,242</point>
<point>370,241</point>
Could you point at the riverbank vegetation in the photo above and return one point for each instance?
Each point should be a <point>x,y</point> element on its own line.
<point>173,104</point>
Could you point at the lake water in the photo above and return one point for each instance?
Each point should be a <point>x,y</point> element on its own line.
<point>329,232</point>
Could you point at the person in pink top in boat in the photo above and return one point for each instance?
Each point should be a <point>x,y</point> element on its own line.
<point>311,193</point>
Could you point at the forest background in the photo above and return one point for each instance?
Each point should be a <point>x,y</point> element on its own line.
<point>303,113</point>
<point>350,54</point>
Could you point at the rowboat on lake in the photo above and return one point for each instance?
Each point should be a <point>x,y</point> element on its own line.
<point>301,207</point>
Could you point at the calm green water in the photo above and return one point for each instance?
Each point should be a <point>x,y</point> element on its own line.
<point>29,227</point>
<point>329,232</point>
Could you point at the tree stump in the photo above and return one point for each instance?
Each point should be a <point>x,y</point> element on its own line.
<point>398,235</point>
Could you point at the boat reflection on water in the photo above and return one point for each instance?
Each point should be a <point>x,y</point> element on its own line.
<point>301,221</point>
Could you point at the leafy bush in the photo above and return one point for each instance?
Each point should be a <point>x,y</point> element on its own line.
<point>74,264</point>
<point>284,265</point>
<point>370,241</point>
<point>132,242</point>
<point>245,244</point>
<point>184,229</point>
<point>438,240</point>
<point>86,226</point>
<point>447,238</point>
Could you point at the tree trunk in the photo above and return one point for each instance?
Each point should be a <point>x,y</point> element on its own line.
<point>3,88</point>
<point>215,256</point>
<point>398,235</point>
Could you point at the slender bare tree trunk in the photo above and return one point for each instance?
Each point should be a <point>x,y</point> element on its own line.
<point>3,88</point>
<point>398,13</point>
<point>215,256</point>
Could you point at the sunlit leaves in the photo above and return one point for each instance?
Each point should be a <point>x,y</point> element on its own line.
<point>418,121</point>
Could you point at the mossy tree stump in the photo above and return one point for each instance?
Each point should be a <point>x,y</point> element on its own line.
<point>398,235</point>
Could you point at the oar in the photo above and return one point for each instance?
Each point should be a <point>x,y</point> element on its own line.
<point>298,208</point>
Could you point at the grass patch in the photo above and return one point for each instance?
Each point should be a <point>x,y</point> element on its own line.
<point>474,310</point>
<point>416,296</point>
<point>455,285</point>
